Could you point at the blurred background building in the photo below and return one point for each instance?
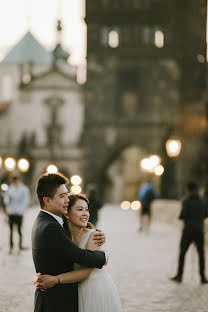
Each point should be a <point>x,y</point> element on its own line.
<point>146,84</point>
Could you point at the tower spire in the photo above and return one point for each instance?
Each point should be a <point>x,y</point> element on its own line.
<point>28,14</point>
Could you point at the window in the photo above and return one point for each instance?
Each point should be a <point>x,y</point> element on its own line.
<point>159,39</point>
<point>110,36</point>
<point>113,39</point>
<point>153,35</point>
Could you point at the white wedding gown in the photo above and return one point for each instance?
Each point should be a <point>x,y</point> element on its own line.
<point>97,293</point>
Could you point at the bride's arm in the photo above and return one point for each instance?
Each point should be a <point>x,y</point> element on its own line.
<point>92,245</point>
<point>43,282</point>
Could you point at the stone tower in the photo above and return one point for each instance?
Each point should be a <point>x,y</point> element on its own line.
<point>146,70</point>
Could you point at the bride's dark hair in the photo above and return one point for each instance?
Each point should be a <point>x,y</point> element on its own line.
<point>72,200</point>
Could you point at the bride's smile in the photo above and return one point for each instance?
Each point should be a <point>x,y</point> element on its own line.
<point>78,216</point>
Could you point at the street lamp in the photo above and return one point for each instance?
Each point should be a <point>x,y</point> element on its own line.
<point>10,163</point>
<point>52,169</point>
<point>152,165</point>
<point>173,147</point>
<point>159,170</point>
<point>136,205</point>
<point>76,180</point>
<point>170,182</point>
<point>125,205</point>
<point>23,165</point>
<point>76,189</point>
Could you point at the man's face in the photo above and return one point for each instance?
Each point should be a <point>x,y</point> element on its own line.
<point>59,203</point>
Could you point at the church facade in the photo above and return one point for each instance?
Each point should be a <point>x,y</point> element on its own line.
<point>42,109</point>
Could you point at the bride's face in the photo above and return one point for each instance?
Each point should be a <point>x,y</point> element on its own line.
<point>78,214</point>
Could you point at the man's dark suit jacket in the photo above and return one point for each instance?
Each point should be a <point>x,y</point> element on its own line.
<point>54,253</point>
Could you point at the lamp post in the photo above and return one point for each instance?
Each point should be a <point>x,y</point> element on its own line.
<point>10,164</point>
<point>173,149</point>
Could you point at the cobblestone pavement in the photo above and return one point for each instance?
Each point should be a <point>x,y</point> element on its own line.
<point>140,264</point>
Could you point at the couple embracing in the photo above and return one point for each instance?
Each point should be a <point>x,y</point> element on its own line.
<point>70,265</point>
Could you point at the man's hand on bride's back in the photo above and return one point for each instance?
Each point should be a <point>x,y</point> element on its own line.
<point>43,282</point>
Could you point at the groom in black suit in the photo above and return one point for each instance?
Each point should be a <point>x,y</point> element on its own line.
<point>53,252</point>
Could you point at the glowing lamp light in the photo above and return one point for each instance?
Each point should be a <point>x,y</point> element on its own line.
<point>23,165</point>
<point>10,164</point>
<point>155,160</point>
<point>4,187</point>
<point>173,147</point>
<point>136,205</point>
<point>76,180</point>
<point>146,164</point>
<point>52,169</point>
<point>76,189</point>
<point>159,170</point>
<point>125,205</point>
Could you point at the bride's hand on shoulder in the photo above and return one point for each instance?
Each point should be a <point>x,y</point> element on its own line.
<point>94,242</point>
<point>43,282</point>
<point>99,237</point>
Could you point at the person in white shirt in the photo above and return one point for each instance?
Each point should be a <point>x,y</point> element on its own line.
<point>16,200</point>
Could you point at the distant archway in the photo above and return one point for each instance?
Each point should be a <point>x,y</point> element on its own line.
<point>122,175</point>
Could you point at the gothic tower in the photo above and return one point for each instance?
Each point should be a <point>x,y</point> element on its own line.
<point>146,67</point>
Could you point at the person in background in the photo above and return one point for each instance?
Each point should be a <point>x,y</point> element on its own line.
<point>16,200</point>
<point>193,213</point>
<point>146,195</point>
<point>94,206</point>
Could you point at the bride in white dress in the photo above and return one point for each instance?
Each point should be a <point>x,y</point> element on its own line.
<point>96,290</point>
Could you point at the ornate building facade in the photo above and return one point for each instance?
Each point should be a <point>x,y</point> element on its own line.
<point>145,84</point>
<point>42,109</point>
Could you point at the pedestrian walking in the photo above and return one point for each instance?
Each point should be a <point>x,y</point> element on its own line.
<point>146,195</point>
<point>16,200</point>
<point>193,213</point>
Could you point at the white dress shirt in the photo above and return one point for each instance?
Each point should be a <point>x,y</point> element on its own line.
<point>59,219</point>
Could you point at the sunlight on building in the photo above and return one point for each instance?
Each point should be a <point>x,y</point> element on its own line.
<point>159,39</point>
<point>52,169</point>
<point>125,205</point>
<point>113,39</point>
<point>81,74</point>
<point>136,205</point>
<point>1,161</point>
<point>76,189</point>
